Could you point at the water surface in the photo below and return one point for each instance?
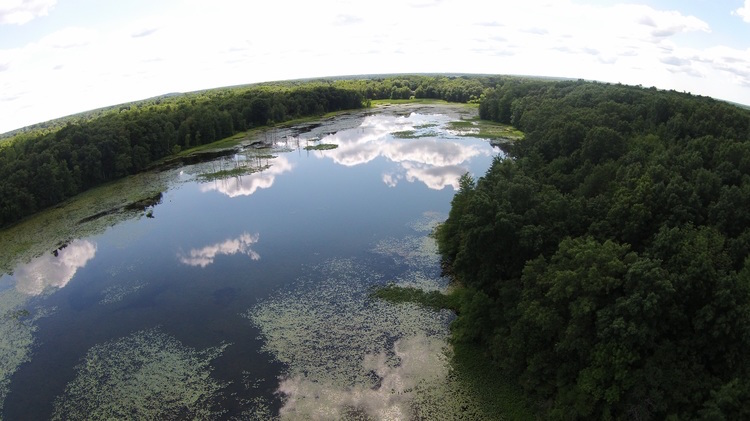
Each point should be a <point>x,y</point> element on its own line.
<point>247,296</point>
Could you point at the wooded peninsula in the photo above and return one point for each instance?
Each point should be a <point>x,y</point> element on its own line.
<point>601,262</point>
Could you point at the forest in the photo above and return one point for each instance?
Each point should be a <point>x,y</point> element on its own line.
<point>42,165</point>
<point>605,258</point>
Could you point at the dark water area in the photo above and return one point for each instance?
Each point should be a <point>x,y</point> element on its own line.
<point>203,307</point>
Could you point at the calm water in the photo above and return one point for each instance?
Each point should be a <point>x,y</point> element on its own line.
<point>247,297</point>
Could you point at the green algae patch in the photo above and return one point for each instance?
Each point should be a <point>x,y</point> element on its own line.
<point>427,222</point>
<point>146,375</point>
<point>321,147</point>
<point>325,326</point>
<point>495,132</point>
<point>415,134</point>
<point>405,134</point>
<point>353,356</point>
<point>116,293</point>
<point>350,357</point>
<point>232,172</point>
<point>415,251</point>
<point>17,328</point>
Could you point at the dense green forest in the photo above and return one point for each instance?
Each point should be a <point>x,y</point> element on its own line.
<point>47,163</point>
<point>605,258</point>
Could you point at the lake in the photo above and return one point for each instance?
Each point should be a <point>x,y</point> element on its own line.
<point>243,292</point>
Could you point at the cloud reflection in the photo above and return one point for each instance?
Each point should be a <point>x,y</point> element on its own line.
<point>54,271</point>
<point>246,185</point>
<point>435,178</point>
<point>205,256</point>
<point>421,364</point>
<point>433,161</point>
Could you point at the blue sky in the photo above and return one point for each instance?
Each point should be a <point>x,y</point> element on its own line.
<point>59,57</point>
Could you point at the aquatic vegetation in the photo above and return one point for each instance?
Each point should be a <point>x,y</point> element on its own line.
<point>259,411</point>
<point>435,300</point>
<point>248,184</point>
<point>351,355</point>
<point>17,327</point>
<point>339,343</point>
<point>415,367</point>
<point>405,134</point>
<point>330,349</point>
<point>424,155</point>
<point>427,222</point>
<point>117,293</point>
<point>415,251</point>
<point>233,172</point>
<point>321,147</point>
<point>49,229</point>
<point>495,132</point>
<point>418,132</point>
<point>147,375</point>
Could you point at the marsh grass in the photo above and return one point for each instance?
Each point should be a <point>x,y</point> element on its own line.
<point>486,129</point>
<point>321,147</point>
<point>405,134</point>
<point>233,172</point>
<point>414,134</point>
<point>435,300</point>
<point>462,125</point>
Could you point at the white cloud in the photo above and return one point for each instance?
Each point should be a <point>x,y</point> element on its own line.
<point>202,45</point>
<point>69,38</point>
<point>146,26</point>
<point>391,179</point>
<point>23,11</point>
<point>744,11</point>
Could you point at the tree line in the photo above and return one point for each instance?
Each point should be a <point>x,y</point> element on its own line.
<point>606,256</point>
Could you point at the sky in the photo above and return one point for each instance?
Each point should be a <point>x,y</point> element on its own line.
<point>60,57</point>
